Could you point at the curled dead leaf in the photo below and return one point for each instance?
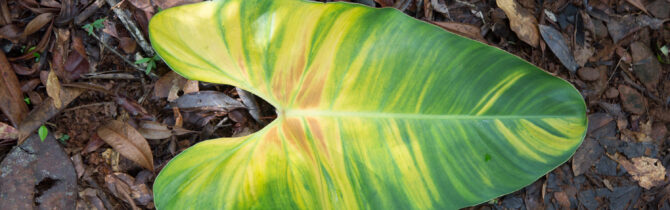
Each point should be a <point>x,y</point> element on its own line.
<point>37,23</point>
<point>54,89</point>
<point>13,105</point>
<point>522,22</point>
<point>8,132</point>
<point>128,142</point>
<point>649,172</point>
<point>156,130</point>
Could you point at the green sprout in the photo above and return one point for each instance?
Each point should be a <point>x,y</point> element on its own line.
<point>64,138</point>
<point>95,25</point>
<point>151,63</point>
<point>27,100</point>
<point>42,132</point>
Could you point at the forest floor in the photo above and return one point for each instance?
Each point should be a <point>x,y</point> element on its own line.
<point>71,68</point>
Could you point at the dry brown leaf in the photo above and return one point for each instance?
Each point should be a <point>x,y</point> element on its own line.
<point>466,30</point>
<point>128,142</point>
<point>171,83</point>
<point>39,48</point>
<point>154,130</point>
<point>144,5</point>
<point>8,132</point>
<point>522,22</point>
<point>37,23</point>
<point>12,104</point>
<point>164,4</point>
<point>649,172</point>
<point>127,44</point>
<point>53,89</point>
<point>385,3</point>
<point>120,189</point>
<point>638,4</point>
<point>10,32</point>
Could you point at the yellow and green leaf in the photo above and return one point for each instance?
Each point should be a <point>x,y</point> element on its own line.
<point>376,110</point>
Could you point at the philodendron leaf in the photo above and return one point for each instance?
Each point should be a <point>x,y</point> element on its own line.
<point>376,110</point>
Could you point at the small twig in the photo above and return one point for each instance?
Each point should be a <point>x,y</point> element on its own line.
<point>90,10</point>
<point>111,76</point>
<point>87,105</point>
<point>135,32</point>
<point>151,74</point>
<point>250,102</point>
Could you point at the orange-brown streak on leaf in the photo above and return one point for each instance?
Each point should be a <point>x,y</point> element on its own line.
<point>314,127</point>
<point>284,86</point>
<point>128,142</point>
<point>638,4</point>
<point>309,95</point>
<point>295,131</point>
<point>45,111</point>
<point>11,99</point>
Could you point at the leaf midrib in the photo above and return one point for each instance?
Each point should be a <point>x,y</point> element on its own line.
<point>329,113</point>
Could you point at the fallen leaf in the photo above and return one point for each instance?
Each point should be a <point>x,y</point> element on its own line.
<point>170,84</point>
<point>164,4</point>
<point>588,74</point>
<point>39,175</point>
<point>638,4</point>
<point>128,142</point>
<point>645,65</point>
<point>133,108</point>
<point>54,89</point>
<point>37,23</point>
<point>77,61</point>
<point>39,48</point>
<point>11,97</point>
<point>93,144</point>
<point>586,156</point>
<point>632,100</point>
<point>22,70</point>
<point>156,130</point>
<point>559,46</point>
<point>207,100</point>
<point>139,191</point>
<point>562,199</point>
<point>8,132</point>
<point>50,3</point>
<point>649,172</point>
<point>60,51</point>
<point>620,27</point>
<point>522,22</point>
<point>38,116</point>
<point>10,32</point>
<point>385,3</point>
<point>582,54</point>
<point>144,5</point>
<point>466,30</point>
<point>90,196</point>
<point>120,189</point>
<point>127,44</point>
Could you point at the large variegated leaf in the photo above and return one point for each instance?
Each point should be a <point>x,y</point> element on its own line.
<point>376,110</point>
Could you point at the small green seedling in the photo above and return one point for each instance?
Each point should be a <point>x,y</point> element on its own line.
<point>43,132</point>
<point>63,138</point>
<point>151,63</point>
<point>95,25</point>
<point>27,100</point>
